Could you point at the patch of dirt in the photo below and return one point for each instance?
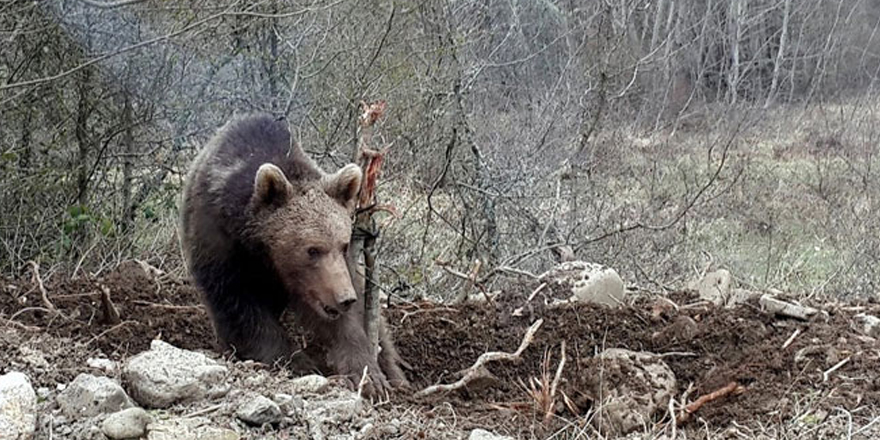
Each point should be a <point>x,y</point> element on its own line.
<point>705,347</point>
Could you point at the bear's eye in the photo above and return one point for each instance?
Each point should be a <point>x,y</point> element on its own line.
<point>314,252</point>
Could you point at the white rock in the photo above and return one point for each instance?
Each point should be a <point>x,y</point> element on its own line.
<point>588,282</point>
<point>102,364</point>
<point>190,428</point>
<point>88,396</point>
<point>714,287</point>
<point>340,407</point>
<point>18,407</point>
<point>259,411</point>
<point>482,434</point>
<point>635,386</point>
<point>311,384</point>
<point>166,374</point>
<point>869,325</point>
<point>126,424</point>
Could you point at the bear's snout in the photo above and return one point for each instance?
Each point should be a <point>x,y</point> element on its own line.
<point>342,307</point>
<point>342,304</point>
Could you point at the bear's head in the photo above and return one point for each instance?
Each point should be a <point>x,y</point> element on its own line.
<point>305,228</point>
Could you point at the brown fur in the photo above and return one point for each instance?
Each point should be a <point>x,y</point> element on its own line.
<point>262,230</point>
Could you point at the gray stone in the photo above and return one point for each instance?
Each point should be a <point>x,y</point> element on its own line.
<point>18,407</point>
<point>311,384</point>
<point>190,428</point>
<point>588,282</point>
<point>868,325</point>
<point>126,424</point>
<point>635,385</point>
<point>289,404</point>
<point>482,434</point>
<point>34,358</point>
<point>88,396</point>
<point>165,375</point>
<point>259,411</point>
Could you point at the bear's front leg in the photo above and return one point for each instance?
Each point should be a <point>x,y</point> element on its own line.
<point>348,352</point>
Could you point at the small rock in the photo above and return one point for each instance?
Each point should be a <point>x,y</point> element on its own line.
<point>311,384</point>
<point>260,411</point>
<point>714,287</point>
<point>635,385</point>
<point>126,424</point>
<point>102,364</point>
<point>88,396</point>
<point>190,428</point>
<point>18,407</point>
<point>342,407</point>
<point>868,325</point>
<point>588,282</point>
<point>166,374</point>
<point>34,358</point>
<point>289,404</point>
<point>44,393</point>
<point>482,434</point>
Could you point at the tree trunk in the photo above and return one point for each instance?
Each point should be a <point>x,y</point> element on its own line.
<point>127,163</point>
<point>81,133</point>
<point>735,17</point>
<point>780,54</point>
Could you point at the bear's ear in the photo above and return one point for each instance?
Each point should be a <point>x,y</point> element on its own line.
<point>271,188</point>
<point>343,185</point>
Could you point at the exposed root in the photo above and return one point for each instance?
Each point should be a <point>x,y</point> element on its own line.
<point>693,407</point>
<point>474,371</point>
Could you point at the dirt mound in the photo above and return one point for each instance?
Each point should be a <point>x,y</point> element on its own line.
<point>705,347</point>
<point>150,305</point>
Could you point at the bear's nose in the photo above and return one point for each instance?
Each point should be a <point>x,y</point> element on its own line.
<point>345,305</point>
<point>331,312</point>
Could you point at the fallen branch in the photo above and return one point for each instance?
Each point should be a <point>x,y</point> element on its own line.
<point>111,314</point>
<point>786,309</point>
<point>435,309</point>
<point>519,310</point>
<point>706,398</point>
<point>791,338</point>
<point>555,385</point>
<point>168,306</point>
<point>474,371</point>
<point>109,330</point>
<point>827,374</point>
<point>44,294</point>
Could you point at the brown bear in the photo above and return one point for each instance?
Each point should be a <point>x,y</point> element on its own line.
<point>264,230</point>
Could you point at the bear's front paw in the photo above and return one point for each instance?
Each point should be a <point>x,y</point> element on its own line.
<point>375,384</point>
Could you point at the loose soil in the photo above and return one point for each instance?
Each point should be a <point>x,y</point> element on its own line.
<point>706,347</point>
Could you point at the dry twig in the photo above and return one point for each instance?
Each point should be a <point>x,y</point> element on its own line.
<point>474,371</point>
<point>827,374</point>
